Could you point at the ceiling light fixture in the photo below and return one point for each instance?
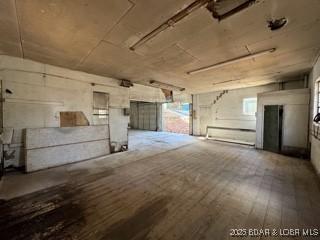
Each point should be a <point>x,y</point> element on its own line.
<point>232,61</point>
<point>165,85</point>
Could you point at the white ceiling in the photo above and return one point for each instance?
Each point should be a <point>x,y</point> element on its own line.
<point>95,35</point>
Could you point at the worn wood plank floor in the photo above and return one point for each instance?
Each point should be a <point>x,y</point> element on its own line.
<point>198,191</point>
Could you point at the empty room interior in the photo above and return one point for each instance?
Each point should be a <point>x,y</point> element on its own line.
<point>159,120</point>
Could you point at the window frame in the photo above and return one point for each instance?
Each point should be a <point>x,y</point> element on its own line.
<point>101,112</point>
<point>318,95</point>
<point>244,100</point>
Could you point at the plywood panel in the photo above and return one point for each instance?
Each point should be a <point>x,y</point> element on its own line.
<point>85,23</point>
<point>99,42</point>
<point>9,30</point>
<point>73,119</point>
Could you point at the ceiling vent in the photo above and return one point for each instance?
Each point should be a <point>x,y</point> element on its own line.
<point>222,9</point>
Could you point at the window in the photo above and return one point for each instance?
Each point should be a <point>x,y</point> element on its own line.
<point>101,113</point>
<point>249,106</point>
<point>100,108</point>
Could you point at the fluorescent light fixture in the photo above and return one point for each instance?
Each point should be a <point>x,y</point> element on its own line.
<point>165,85</point>
<point>232,61</point>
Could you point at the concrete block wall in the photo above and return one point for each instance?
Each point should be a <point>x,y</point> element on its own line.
<point>226,112</point>
<point>39,92</point>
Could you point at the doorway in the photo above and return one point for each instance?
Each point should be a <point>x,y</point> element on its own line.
<point>272,133</point>
<point>176,117</point>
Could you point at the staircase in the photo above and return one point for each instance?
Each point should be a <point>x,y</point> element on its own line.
<point>220,96</point>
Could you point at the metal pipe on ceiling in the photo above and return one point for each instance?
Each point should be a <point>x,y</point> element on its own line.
<point>170,22</point>
<point>187,11</point>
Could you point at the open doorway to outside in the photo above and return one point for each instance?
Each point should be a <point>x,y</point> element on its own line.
<point>176,117</point>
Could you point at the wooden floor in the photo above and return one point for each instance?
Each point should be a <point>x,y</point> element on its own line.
<point>198,191</point>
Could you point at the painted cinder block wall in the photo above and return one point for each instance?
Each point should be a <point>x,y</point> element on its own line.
<point>226,112</point>
<point>40,92</point>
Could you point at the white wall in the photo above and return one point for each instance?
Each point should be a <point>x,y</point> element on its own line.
<point>295,117</point>
<point>315,143</point>
<point>40,92</point>
<point>141,93</point>
<point>226,112</point>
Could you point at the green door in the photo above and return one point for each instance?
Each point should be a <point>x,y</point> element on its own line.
<point>272,133</point>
